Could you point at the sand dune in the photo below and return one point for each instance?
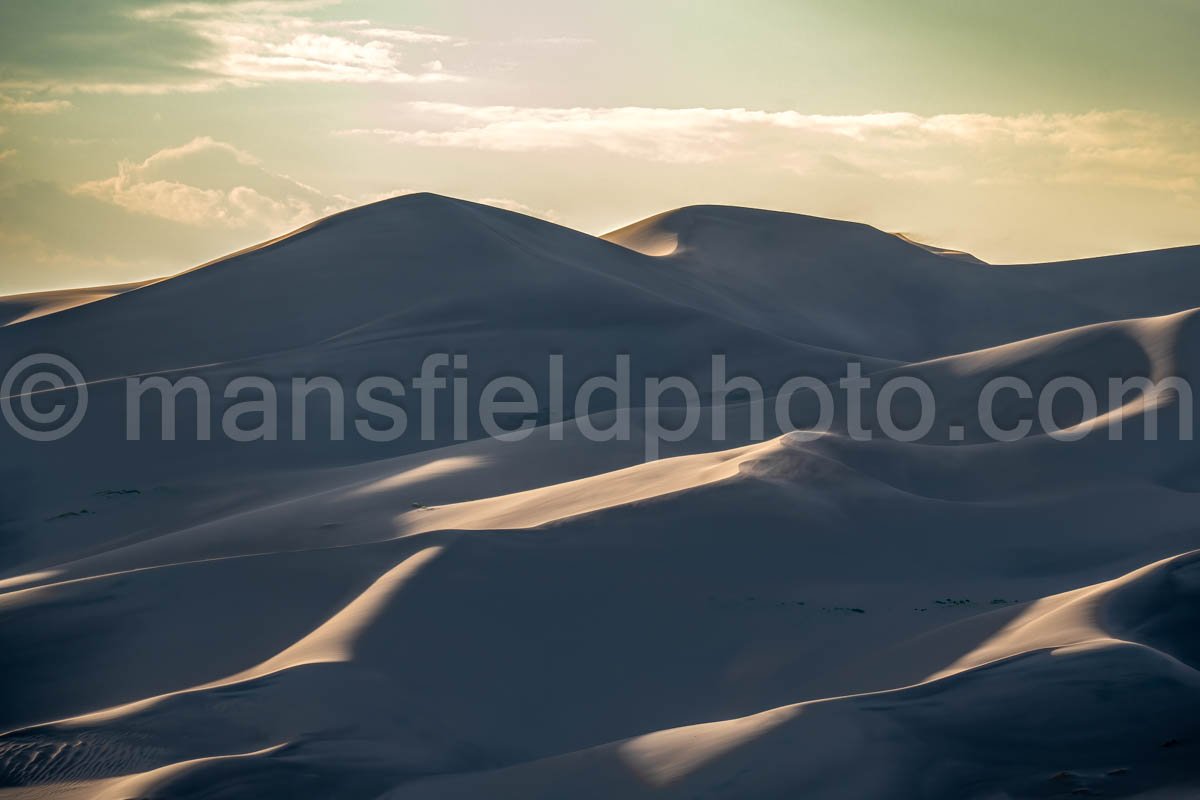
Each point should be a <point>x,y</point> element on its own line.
<point>854,288</point>
<point>24,307</point>
<point>552,617</point>
<point>960,728</point>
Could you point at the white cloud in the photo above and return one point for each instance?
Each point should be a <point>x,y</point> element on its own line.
<point>262,42</point>
<point>1118,147</point>
<point>59,86</point>
<point>209,183</point>
<point>207,7</point>
<point>256,42</point>
<point>668,134</point>
<point>364,28</point>
<point>13,105</point>
<point>271,48</point>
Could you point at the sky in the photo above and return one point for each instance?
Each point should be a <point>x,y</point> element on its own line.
<point>139,138</point>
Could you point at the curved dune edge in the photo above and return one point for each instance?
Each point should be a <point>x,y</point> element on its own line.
<point>1048,650</point>
<point>554,618</point>
<point>372,487</point>
<point>1081,630</point>
<point>15,309</point>
<point>1159,340</point>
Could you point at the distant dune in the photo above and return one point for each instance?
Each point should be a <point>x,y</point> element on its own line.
<point>552,618</point>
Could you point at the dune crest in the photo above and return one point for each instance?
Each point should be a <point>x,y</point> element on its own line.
<point>753,616</point>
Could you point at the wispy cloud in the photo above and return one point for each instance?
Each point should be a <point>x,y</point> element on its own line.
<point>15,105</point>
<point>365,28</point>
<point>1117,147</point>
<point>666,134</point>
<point>246,43</point>
<point>207,183</point>
<point>270,46</point>
<point>210,183</point>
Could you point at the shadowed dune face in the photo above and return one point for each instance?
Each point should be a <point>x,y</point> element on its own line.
<point>748,617</point>
<point>24,307</point>
<point>854,288</point>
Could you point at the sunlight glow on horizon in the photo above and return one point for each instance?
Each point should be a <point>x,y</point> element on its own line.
<point>174,133</point>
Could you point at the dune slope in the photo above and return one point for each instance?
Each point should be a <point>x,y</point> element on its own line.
<point>747,617</point>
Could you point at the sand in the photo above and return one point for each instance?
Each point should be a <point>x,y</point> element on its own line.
<point>554,618</point>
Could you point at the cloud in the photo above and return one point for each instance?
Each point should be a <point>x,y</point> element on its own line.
<point>141,47</point>
<point>12,105</point>
<point>1117,147</point>
<point>212,184</point>
<point>666,134</point>
<point>364,28</point>
<point>53,238</point>
<point>170,10</point>
<point>177,207</point>
<point>265,47</point>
